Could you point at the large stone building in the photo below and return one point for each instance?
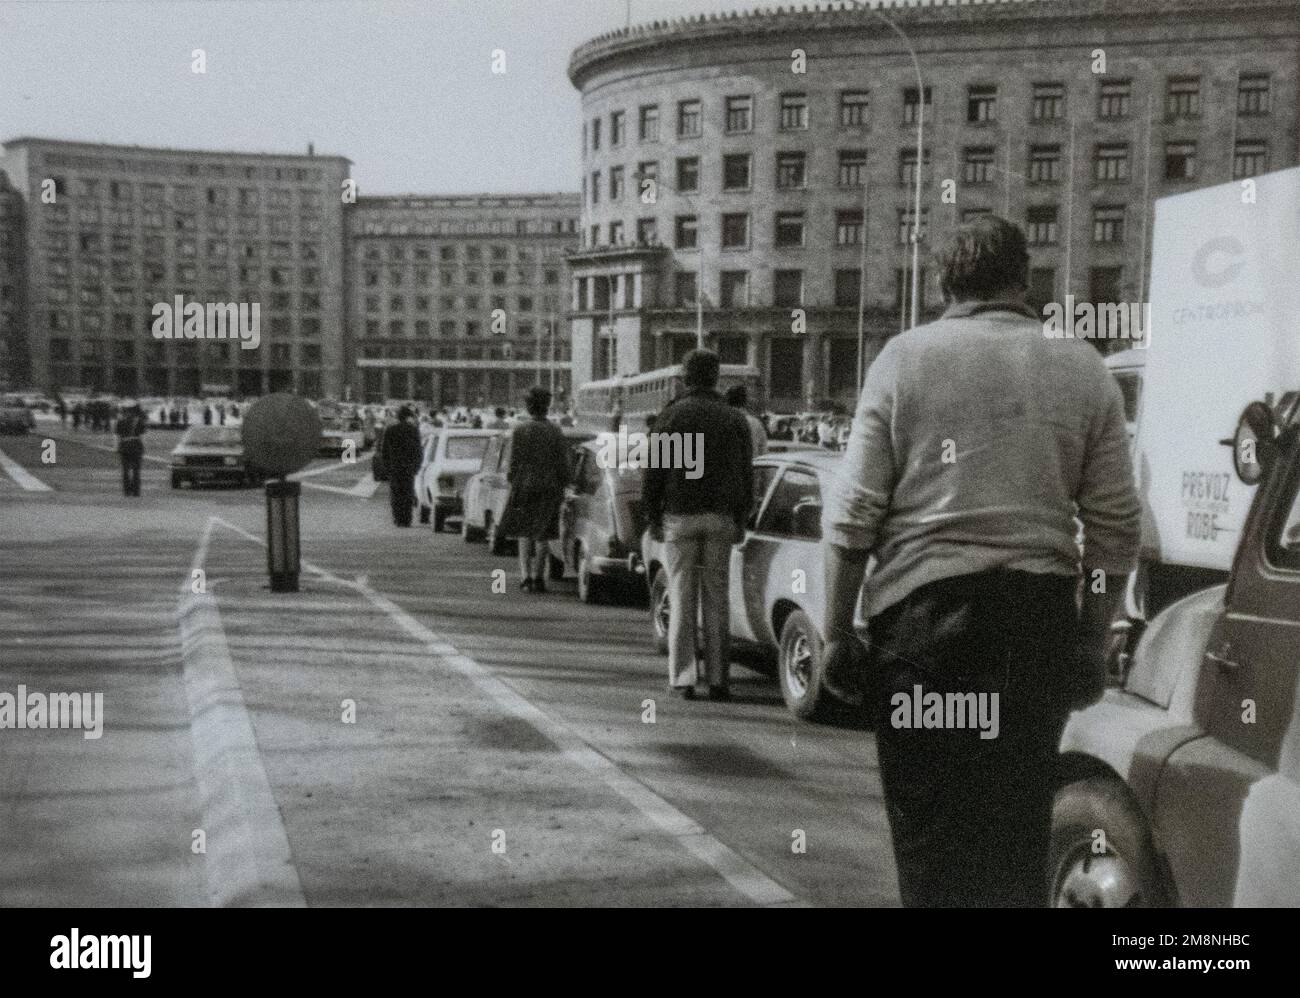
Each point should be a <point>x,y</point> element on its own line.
<point>459,300</point>
<point>745,148</point>
<point>112,230</point>
<point>14,367</point>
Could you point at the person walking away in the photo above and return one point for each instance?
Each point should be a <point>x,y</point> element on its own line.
<point>130,430</point>
<point>738,396</point>
<point>401,453</point>
<point>977,440</point>
<point>538,473</point>
<point>699,513</point>
<point>62,409</point>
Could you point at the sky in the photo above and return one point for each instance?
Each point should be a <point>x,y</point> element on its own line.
<point>403,88</point>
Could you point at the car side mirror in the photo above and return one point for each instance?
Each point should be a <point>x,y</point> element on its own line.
<point>807,519</point>
<point>1254,445</point>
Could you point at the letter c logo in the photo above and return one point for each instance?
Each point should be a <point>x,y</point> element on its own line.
<point>1212,278</point>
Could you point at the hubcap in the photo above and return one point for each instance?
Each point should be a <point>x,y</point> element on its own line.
<point>1097,881</point>
<point>798,666</point>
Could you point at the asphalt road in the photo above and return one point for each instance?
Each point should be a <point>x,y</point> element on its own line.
<point>499,751</point>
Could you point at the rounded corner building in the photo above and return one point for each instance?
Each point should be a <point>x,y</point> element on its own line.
<point>756,170</point>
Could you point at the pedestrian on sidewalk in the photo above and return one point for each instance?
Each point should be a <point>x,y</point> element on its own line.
<point>538,473</point>
<point>401,453</point>
<point>698,519</point>
<point>130,430</point>
<point>977,440</point>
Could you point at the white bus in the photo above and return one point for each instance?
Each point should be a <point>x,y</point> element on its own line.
<point>645,394</point>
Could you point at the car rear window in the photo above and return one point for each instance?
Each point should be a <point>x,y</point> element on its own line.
<point>213,436</point>
<point>466,448</point>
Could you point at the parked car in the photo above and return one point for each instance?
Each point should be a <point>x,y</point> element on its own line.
<point>601,523</point>
<point>486,493</point>
<point>1191,770</point>
<point>337,434</point>
<point>451,456</point>
<point>16,418</point>
<point>212,455</point>
<point>776,594</point>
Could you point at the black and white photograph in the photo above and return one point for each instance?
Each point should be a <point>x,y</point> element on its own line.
<point>652,454</point>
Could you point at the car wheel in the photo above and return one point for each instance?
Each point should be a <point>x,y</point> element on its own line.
<point>424,513</point>
<point>799,664</point>
<point>439,521</point>
<point>556,568</point>
<point>468,532</point>
<point>176,481</point>
<point>591,588</point>
<point>1102,855</point>
<point>659,611</point>
<point>496,543</point>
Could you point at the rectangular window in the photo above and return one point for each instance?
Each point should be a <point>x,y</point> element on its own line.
<point>794,112</point>
<point>736,171</point>
<point>981,104</point>
<point>617,128</point>
<point>1049,101</point>
<point>1183,97</point>
<point>854,108</point>
<point>689,121</point>
<point>977,165</point>
<point>1249,159</point>
<point>647,234</point>
<point>1042,287</point>
<point>790,171</point>
<point>1252,94</point>
<point>903,278</point>
<point>615,183</point>
<point>595,187</point>
<point>1108,224</point>
<point>740,114</point>
<point>911,104</point>
<point>734,290</point>
<point>852,168</point>
<point>1040,221</point>
<point>615,233</point>
<point>848,227</point>
<point>1045,164</point>
<point>789,229</point>
<point>1180,161</point>
<point>735,230</point>
<point>1113,99</point>
<point>848,285</point>
<point>907,167</point>
<point>648,126</point>
<point>688,174</point>
<point>1105,285</point>
<point>1111,163</point>
<point>684,288</point>
<point>686,232</point>
<point>595,134</point>
<point>906,225</point>
<point>787,288</point>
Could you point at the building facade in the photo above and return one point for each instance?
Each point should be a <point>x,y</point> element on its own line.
<point>459,300</point>
<point>110,231</point>
<point>766,162</point>
<point>14,367</point>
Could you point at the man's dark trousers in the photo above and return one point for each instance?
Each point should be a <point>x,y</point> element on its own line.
<point>132,454</point>
<point>971,817</point>
<point>401,494</point>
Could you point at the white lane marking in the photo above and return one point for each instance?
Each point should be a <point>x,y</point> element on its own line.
<point>248,861</point>
<point>322,470</point>
<point>746,878</point>
<point>25,479</point>
<point>111,450</point>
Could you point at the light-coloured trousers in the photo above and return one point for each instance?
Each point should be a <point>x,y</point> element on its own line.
<point>697,554</point>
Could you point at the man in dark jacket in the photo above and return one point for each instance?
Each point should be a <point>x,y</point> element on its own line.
<point>130,447</point>
<point>401,453</point>
<point>539,470</point>
<point>699,508</point>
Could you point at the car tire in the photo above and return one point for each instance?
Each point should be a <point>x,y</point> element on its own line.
<point>556,568</point>
<point>659,610</point>
<point>176,481</point>
<point>592,588</point>
<point>424,513</point>
<point>1127,874</point>
<point>496,544</point>
<point>799,667</point>
<point>439,521</point>
<point>468,532</point>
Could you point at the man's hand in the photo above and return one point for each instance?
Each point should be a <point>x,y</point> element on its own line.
<point>844,669</point>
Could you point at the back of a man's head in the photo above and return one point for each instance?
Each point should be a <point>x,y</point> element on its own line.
<point>538,402</point>
<point>700,369</point>
<point>985,259</point>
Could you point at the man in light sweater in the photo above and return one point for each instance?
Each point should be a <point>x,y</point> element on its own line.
<point>976,444</point>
